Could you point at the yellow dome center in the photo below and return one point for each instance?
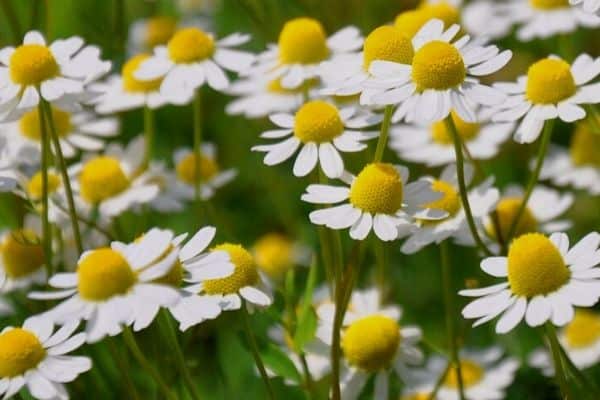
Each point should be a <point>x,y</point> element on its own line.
<point>101,178</point>
<point>245,273</point>
<point>550,81</point>
<point>449,202</point>
<point>410,22</point>
<point>274,255</point>
<point>20,351</point>
<point>29,124</point>
<point>104,273</point>
<point>507,210</point>
<point>387,43</point>
<point>438,65</point>
<point>32,64</point>
<point>371,343</point>
<point>585,146</point>
<point>535,266</point>
<point>377,189</point>
<point>190,45</point>
<point>131,84</point>
<point>186,168</point>
<point>583,330</point>
<point>34,186</point>
<point>466,130</point>
<point>471,374</point>
<point>549,4</point>
<point>159,30</point>
<point>275,86</point>
<point>22,253</point>
<point>302,41</point>
<point>318,121</point>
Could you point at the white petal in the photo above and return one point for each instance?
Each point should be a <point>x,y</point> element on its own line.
<point>306,160</point>
<point>512,316</point>
<point>495,266</point>
<point>538,311</point>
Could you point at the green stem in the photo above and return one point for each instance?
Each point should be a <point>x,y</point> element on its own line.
<point>464,196</point>
<point>542,151</point>
<point>149,137</point>
<point>46,229</point>
<point>197,110</point>
<point>123,366</point>
<point>579,375</point>
<point>90,223</point>
<point>254,348</point>
<point>309,382</point>
<point>383,135</point>
<point>559,371</point>
<point>440,382</point>
<point>450,315</point>
<point>593,118</point>
<point>381,264</point>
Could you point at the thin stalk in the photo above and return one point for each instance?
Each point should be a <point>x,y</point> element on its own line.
<point>381,264</point>
<point>384,134</point>
<point>13,19</point>
<point>123,366</point>
<point>542,151</point>
<point>309,382</point>
<point>579,375</point>
<point>440,382</point>
<point>559,371</point>
<point>65,175</point>
<point>46,229</point>
<point>464,196</point>
<point>89,222</point>
<point>254,348</point>
<point>450,315</point>
<point>593,118</point>
<point>197,111</point>
<point>148,136</point>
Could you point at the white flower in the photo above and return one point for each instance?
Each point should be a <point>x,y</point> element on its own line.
<point>147,33</point>
<point>57,73</point>
<point>588,6</point>
<point>276,254</point>
<point>22,261</point>
<point>35,356</point>
<point>115,286</point>
<point>379,198</point>
<point>551,89</point>
<point>322,131</point>
<point>168,198</point>
<point>476,19</point>
<point>545,280</point>
<point>442,77</point>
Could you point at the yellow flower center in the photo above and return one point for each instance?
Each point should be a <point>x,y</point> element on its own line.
<point>410,22</point>
<point>507,210</point>
<point>22,253</point>
<point>549,4</point>
<point>549,81</point>
<point>466,130</point>
<point>20,351</point>
<point>302,41</point>
<point>275,87</point>
<point>104,273</point>
<point>387,43</point>
<point>370,343</point>
<point>471,374</point>
<point>449,202</point>
<point>29,124</point>
<point>186,168</point>
<point>438,65</point>
<point>34,186</point>
<point>101,178</point>
<point>318,121</point>
<point>416,396</point>
<point>131,84</point>
<point>585,146</point>
<point>535,266</point>
<point>245,273</point>
<point>273,254</point>
<point>377,189</point>
<point>190,45</point>
<point>583,330</point>
<point>174,277</point>
<point>159,30</point>
<point>32,64</point>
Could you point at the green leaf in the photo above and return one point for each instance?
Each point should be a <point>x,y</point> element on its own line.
<point>279,363</point>
<point>307,319</point>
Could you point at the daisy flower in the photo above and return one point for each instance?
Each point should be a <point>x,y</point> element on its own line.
<point>322,131</point>
<point>476,19</point>
<point>211,176</point>
<point>276,254</point>
<point>303,45</point>
<point>55,73</point>
<point>411,21</point>
<point>544,281</point>
<point>442,77</point>
<point>115,286</point>
<point>22,260</point>
<point>191,58</point>
<point>379,198</point>
<point>588,6</point>
<point>433,146</point>
<point>168,198</point>
<point>552,89</point>
<point>482,199</point>
<point>147,33</point>
<point>36,357</point>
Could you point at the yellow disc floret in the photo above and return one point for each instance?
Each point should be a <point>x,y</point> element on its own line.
<point>186,168</point>
<point>449,202</point>
<point>274,254</point>
<point>550,81</point>
<point>104,273</point>
<point>131,84</point>
<point>583,330</point>
<point>32,64</point>
<point>20,351</point>
<point>245,273</point>
<point>438,65</point>
<point>507,210</point>
<point>318,121</point>
<point>467,131</point>
<point>29,124</point>
<point>535,266</point>
<point>377,189</point>
<point>275,86</point>
<point>190,45</point>
<point>410,22</point>
<point>101,178</point>
<point>34,186</point>
<point>387,43</point>
<point>549,4</point>
<point>471,374</point>
<point>159,30</point>
<point>371,343</point>
<point>585,146</point>
<point>22,253</point>
<point>416,396</point>
<point>302,41</point>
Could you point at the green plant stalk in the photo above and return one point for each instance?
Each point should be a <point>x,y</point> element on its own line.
<point>149,132</point>
<point>123,365</point>
<point>579,375</point>
<point>559,371</point>
<point>197,112</point>
<point>542,151</point>
<point>255,353</point>
<point>384,134</point>
<point>440,382</point>
<point>381,264</point>
<point>46,229</point>
<point>464,196</point>
<point>593,118</point>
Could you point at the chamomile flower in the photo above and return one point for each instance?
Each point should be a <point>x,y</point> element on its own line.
<point>8,172</point>
<point>115,286</point>
<point>482,199</point>
<point>475,19</point>
<point>322,131</point>
<point>433,146</point>
<point>442,77</point>
<point>168,198</point>
<point>302,46</point>
<point>588,6</point>
<point>379,198</point>
<point>55,73</point>
<point>147,33</point>
<point>544,281</point>
<point>35,357</point>
<point>191,58</point>
<point>411,21</point>
<point>276,254</point>
<point>22,260</point>
<point>211,176</point>
<point>552,89</point>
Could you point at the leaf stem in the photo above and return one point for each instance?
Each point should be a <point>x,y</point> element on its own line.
<point>255,353</point>
<point>197,112</point>
<point>46,229</point>
<point>559,371</point>
<point>384,134</point>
